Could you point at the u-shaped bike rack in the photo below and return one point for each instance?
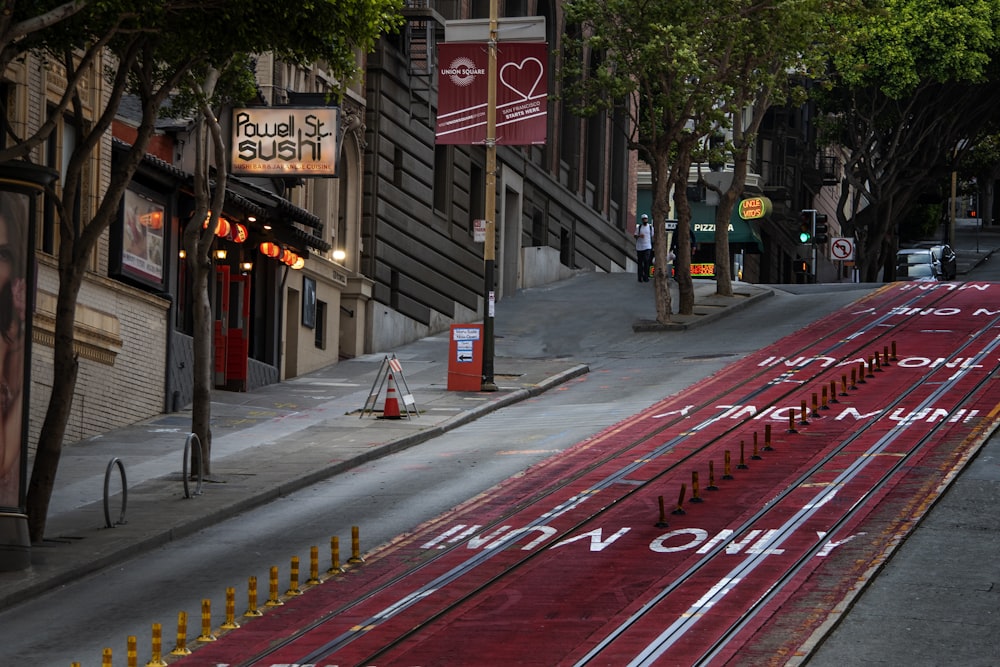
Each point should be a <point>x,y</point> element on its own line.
<point>107,483</point>
<point>192,437</point>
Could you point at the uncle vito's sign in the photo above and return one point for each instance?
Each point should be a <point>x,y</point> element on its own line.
<point>285,141</point>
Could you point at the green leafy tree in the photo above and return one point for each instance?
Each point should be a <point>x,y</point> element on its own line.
<point>773,48</point>
<point>157,46</point>
<point>683,70</point>
<point>915,86</point>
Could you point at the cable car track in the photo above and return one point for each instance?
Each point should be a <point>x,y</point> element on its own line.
<point>852,344</point>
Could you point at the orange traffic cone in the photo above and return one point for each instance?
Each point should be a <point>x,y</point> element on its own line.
<point>391,409</point>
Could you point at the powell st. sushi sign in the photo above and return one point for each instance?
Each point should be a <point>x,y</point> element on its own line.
<point>285,141</point>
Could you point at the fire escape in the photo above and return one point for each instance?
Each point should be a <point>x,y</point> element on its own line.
<point>424,27</point>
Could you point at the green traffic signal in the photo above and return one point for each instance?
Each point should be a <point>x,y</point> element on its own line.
<point>806,226</point>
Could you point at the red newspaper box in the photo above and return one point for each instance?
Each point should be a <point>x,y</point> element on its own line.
<point>465,357</point>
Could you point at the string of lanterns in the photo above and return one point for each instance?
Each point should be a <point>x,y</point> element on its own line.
<point>238,233</point>
<point>284,255</point>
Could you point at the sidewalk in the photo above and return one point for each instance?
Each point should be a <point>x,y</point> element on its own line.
<point>269,443</point>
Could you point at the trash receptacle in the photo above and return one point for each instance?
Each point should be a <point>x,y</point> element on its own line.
<point>465,357</point>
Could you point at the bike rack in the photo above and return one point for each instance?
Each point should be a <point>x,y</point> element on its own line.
<point>107,482</point>
<point>192,437</point>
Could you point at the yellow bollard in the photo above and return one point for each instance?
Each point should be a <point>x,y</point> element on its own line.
<point>815,406</point>
<point>861,372</point>
<point>132,654</point>
<point>335,567</point>
<point>355,546</point>
<point>695,498</point>
<point>756,455</point>
<point>156,659</point>
<point>885,355</point>
<point>791,421</point>
<point>680,501</point>
<point>742,465</point>
<point>230,623</point>
<point>273,601</point>
<point>711,477</point>
<point>878,363</point>
<point>293,579</point>
<point>803,417</point>
<point>893,355</point>
<point>727,472</point>
<point>206,622</point>
<point>833,391</point>
<point>182,631</point>
<point>767,438</point>
<point>106,658</point>
<point>252,595</point>
<point>843,384</point>
<point>313,567</point>
<point>662,523</point>
<point>824,400</point>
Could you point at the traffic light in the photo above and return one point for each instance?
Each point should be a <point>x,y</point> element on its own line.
<point>820,232</point>
<point>806,222</point>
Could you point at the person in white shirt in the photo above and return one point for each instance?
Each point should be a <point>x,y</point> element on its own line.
<point>644,247</point>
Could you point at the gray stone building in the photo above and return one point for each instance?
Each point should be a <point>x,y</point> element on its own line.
<point>563,206</point>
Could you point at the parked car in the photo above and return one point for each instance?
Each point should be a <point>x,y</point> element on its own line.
<point>915,264</point>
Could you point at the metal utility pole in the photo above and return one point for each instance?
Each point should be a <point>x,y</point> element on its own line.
<point>489,247</point>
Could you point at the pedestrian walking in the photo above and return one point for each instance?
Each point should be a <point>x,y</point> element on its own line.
<point>644,247</point>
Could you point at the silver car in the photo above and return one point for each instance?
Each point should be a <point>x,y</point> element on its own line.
<point>915,264</point>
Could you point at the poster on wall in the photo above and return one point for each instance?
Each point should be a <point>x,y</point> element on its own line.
<point>521,97</point>
<point>142,237</point>
<point>14,219</point>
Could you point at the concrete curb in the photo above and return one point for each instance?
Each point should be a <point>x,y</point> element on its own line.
<point>709,310</point>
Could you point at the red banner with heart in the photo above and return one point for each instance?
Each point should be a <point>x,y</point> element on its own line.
<point>522,92</point>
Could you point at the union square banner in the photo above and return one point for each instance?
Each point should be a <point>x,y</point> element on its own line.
<point>522,91</point>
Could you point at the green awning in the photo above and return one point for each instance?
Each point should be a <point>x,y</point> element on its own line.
<point>743,234</point>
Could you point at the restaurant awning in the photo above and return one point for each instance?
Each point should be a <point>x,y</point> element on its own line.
<point>743,234</point>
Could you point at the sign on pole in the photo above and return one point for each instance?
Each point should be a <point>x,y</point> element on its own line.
<point>842,248</point>
<point>522,93</point>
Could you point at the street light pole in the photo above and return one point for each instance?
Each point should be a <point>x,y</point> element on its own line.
<point>489,250</point>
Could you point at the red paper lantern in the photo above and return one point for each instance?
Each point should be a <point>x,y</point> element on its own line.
<point>286,256</point>
<point>239,233</point>
<point>222,229</point>
<point>269,249</point>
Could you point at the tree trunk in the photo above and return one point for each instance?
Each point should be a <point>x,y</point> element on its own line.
<point>661,274</point>
<point>680,170</point>
<point>50,439</point>
<point>723,213</point>
<point>201,406</point>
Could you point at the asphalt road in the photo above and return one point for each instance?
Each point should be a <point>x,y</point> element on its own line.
<point>579,320</point>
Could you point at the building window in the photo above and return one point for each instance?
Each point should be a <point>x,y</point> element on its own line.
<point>320,328</point>
<point>58,150</point>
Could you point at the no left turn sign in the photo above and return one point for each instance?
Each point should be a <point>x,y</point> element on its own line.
<point>842,248</point>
